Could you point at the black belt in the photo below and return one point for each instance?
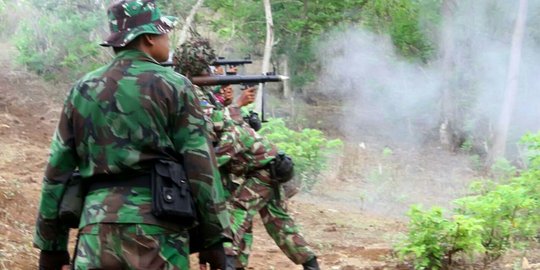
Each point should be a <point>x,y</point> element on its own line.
<point>138,179</point>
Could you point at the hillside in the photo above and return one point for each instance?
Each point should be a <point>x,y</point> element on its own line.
<point>352,217</point>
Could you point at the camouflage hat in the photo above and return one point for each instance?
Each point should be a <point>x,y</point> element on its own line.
<point>131,18</point>
<point>194,56</point>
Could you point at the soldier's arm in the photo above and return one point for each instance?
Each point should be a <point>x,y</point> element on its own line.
<point>49,233</point>
<point>191,140</point>
<point>225,149</point>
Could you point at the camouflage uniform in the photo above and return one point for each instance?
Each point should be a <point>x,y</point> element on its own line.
<point>248,155</point>
<point>120,118</point>
<point>242,151</point>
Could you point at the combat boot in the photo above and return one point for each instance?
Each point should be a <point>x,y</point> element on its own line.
<point>311,264</point>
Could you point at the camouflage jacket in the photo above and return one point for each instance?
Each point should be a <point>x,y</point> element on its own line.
<point>125,116</point>
<point>238,146</point>
<point>241,147</point>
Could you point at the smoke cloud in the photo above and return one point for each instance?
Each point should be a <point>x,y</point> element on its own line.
<point>392,105</point>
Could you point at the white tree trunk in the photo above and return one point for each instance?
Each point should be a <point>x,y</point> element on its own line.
<point>501,133</point>
<point>287,83</point>
<point>187,24</point>
<point>448,105</point>
<point>267,52</point>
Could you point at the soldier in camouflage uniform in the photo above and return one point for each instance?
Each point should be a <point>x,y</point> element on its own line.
<point>116,122</point>
<point>243,152</point>
<point>249,156</point>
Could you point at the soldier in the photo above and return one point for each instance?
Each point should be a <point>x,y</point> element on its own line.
<point>255,159</point>
<point>116,123</point>
<point>244,152</point>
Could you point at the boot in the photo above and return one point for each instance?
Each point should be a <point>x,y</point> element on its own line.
<point>311,264</point>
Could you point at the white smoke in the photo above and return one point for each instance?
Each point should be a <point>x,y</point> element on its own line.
<point>390,100</point>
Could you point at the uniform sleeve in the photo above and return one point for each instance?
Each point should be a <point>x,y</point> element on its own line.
<point>225,149</point>
<point>190,137</point>
<point>49,233</point>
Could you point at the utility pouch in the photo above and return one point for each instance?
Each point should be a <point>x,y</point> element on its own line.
<point>71,205</point>
<point>171,194</point>
<point>282,168</point>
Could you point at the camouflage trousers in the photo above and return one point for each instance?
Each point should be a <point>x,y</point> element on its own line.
<point>257,195</point>
<point>131,246</point>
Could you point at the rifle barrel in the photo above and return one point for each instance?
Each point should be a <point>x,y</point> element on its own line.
<point>236,79</point>
<point>217,62</point>
<point>225,62</point>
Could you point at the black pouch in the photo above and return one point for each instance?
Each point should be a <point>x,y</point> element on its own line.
<point>171,194</point>
<point>71,205</point>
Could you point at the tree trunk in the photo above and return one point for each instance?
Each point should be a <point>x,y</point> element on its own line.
<point>501,133</point>
<point>187,24</point>
<point>267,54</point>
<point>286,83</point>
<point>447,129</point>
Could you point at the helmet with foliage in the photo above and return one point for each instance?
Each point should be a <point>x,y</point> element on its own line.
<point>194,56</point>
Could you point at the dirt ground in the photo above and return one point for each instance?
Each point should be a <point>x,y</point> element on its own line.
<point>352,217</point>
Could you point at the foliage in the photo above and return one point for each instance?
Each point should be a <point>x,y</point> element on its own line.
<point>61,38</point>
<point>495,219</point>
<point>502,170</point>
<point>309,149</point>
<point>299,24</point>
<point>433,239</point>
<point>401,19</point>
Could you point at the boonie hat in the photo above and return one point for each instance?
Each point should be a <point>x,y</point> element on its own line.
<point>131,18</point>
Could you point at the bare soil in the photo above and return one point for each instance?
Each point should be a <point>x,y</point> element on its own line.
<point>352,218</point>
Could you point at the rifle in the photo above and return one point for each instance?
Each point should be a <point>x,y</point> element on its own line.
<point>221,61</point>
<point>218,62</point>
<point>236,79</point>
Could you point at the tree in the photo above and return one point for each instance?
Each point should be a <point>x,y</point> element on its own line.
<point>187,24</point>
<point>449,121</point>
<point>501,133</point>
<point>267,53</point>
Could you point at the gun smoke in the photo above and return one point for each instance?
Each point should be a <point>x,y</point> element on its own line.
<point>392,105</point>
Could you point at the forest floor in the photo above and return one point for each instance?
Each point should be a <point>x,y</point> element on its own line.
<point>352,218</point>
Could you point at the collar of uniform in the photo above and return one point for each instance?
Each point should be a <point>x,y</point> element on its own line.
<point>135,55</point>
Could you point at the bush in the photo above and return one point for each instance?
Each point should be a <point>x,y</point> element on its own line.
<point>59,40</point>
<point>309,149</point>
<point>433,239</point>
<point>495,219</point>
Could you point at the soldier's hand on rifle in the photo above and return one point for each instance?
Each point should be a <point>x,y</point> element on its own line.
<point>219,70</point>
<point>232,70</point>
<point>227,93</point>
<point>247,97</point>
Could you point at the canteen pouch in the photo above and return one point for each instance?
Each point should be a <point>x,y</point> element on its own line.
<point>70,210</point>
<point>171,194</point>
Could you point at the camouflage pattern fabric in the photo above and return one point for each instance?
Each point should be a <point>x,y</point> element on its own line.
<point>243,147</point>
<point>130,19</point>
<point>124,117</point>
<point>242,151</point>
<point>131,246</point>
<point>194,57</point>
<point>213,112</point>
<point>248,154</point>
<point>282,229</point>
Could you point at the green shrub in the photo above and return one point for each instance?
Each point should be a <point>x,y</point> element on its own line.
<point>433,239</point>
<point>60,41</point>
<point>309,149</point>
<point>506,215</point>
<point>496,218</point>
